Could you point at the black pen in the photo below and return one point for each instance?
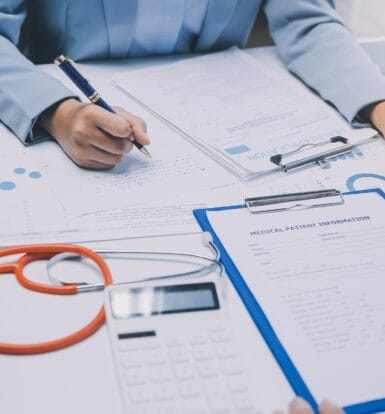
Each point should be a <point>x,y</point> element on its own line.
<point>68,67</point>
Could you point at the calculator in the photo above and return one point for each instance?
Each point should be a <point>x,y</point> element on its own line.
<point>174,350</point>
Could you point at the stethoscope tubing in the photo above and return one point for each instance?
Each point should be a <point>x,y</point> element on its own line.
<point>87,287</point>
<point>57,253</point>
<point>37,252</point>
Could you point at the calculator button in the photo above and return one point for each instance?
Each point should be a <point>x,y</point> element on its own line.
<point>155,357</point>
<point>242,402</point>
<point>183,371</point>
<point>195,406</point>
<point>236,383</point>
<point>202,352</point>
<point>138,394</point>
<point>128,346</point>
<point>231,366</point>
<point>163,392</point>
<point>174,342</point>
<point>214,386</point>
<point>160,374</point>
<point>207,369</point>
<point>168,407</point>
<point>132,359</point>
<point>141,410</point>
<point>220,336</point>
<point>225,351</point>
<point>198,340</point>
<point>219,403</point>
<point>135,376</point>
<point>189,389</point>
<point>178,354</point>
<point>217,327</point>
<point>152,344</point>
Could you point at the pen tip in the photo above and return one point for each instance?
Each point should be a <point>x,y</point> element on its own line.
<point>145,152</point>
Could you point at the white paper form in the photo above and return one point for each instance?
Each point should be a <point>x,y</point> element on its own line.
<point>236,109</point>
<point>31,213</point>
<point>25,222</point>
<point>318,274</point>
<point>176,169</point>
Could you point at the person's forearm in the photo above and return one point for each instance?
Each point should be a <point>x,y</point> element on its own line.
<point>25,91</point>
<point>316,47</point>
<point>377,117</point>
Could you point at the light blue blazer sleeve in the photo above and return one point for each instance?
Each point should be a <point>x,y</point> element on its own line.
<point>25,91</point>
<point>317,47</point>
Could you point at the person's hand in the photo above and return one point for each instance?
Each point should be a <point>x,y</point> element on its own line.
<point>91,136</point>
<point>300,406</point>
<point>377,117</point>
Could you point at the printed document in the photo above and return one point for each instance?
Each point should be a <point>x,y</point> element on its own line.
<point>236,109</point>
<point>33,221</point>
<point>176,169</point>
<point>318,275</point>
<point>33,212</point>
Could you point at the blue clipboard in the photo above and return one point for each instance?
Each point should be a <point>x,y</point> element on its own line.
<point>263,325</point>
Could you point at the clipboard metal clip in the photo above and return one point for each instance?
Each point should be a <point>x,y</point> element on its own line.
<point>291,201</point>
<point>306,154</point>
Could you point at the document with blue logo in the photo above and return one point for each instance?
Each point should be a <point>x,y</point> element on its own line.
<point>240,111</point>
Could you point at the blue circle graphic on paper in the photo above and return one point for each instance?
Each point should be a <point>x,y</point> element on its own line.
<point>352,180</point>
<point>35,174</point>
<point>7,186</point>
<point>20,170</point>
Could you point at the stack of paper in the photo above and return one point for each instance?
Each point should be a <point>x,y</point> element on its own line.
<point>45,197</point>
<point>236,109</point>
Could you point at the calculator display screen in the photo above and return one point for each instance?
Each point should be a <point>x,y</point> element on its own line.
<point>159,300</point>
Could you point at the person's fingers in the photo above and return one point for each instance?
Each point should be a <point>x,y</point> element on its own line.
<point>103,157</point>
<point>108,143</point>
<point>139,127</point>
<point>114,124</point>
<point>327,407</point>
<point>299,406</point>
<point>88,156</point>
<point>140,135</point>
<point>80,155</point>
<point>93,137</point>
<point>94,165</point>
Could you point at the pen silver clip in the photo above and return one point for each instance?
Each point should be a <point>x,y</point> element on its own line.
<point>290,201</point>
<point>307,154</point>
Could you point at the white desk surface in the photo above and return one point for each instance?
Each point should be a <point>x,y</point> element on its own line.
<point>81,379</point>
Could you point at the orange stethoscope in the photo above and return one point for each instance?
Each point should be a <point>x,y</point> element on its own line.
<point>56,253</point>
<point>33,253</point>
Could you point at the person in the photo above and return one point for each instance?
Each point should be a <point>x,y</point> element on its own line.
<point>310,36</point>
